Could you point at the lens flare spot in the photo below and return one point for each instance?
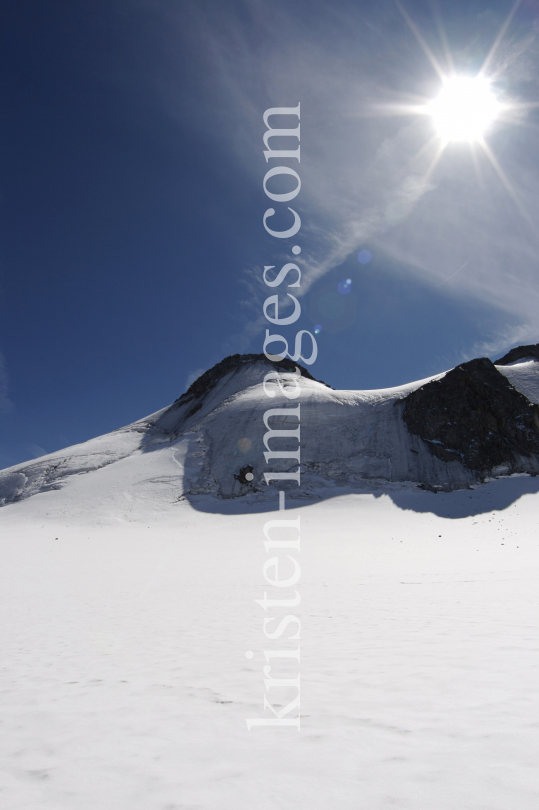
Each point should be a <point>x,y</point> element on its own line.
<point>345,286</point>
<point>244,445</point>
<point>364,256</point>
<point>317,329</point>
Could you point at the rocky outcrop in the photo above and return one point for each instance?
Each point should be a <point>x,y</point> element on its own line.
<point>450,432</point>
<point>245,475</point>
<point>210,378</point>
<point>520,353</point>
<point>474,415</point>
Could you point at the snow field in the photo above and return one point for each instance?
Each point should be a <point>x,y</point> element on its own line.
<point>125,684</point>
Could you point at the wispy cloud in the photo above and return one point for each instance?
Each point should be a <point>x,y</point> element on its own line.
<point>371,178</point>
<point>508,336</point>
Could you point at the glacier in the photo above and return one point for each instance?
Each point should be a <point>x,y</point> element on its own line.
<point>198,445</point>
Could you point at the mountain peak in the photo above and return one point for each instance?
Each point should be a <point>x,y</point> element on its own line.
<point>447,432</point>
<point>210,378</point>
<point>519,353</point>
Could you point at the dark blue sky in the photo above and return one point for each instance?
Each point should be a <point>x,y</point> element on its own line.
<point>131,201</point>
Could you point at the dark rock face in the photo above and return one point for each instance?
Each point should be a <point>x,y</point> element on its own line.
<point>519,353</point>
<point>245,475</point>
<point>475,416</point>
<point>210,378</point>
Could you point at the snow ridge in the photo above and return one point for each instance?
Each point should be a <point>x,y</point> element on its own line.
<point>199,444</point>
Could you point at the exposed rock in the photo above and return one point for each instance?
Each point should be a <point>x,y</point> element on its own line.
<point>458,430</point>
<point>473,414</point>
<point>245,475</point>
<point>519,353</point>
<point>210,378</point>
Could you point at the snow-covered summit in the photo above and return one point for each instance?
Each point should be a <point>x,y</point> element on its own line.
<point>200,443</point>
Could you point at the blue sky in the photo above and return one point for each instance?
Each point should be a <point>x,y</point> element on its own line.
<point>131,200</point>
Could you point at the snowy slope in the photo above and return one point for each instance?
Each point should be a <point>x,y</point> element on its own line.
<point>346,436</point>
<point>125,686</point>
<point>524,376</point>
<point>126,609</point>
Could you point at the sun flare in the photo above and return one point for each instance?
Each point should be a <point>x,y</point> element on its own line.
<point>464,109</point>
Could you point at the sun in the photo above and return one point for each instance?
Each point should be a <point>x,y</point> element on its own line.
<point>464,109</point>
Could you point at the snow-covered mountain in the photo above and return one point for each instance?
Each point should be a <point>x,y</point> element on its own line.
<point>133,642</point>
<point>446,432</point>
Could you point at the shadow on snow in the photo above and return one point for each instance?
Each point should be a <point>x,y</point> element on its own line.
<point>492,496</point>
